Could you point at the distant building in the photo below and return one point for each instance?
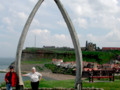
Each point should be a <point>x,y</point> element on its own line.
<point>90,47</point>
<point>48,46</point>
<point>58,48</point>
<point>57,62</point>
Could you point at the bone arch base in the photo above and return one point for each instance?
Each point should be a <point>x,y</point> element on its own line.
<point>75,40</point>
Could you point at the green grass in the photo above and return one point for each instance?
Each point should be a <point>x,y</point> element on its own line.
<point>36,61</point>
<point>70,84</point>
<point>53,84</point>
<point>105,85</point>
<point>33,62</point>
<point>55,50</point>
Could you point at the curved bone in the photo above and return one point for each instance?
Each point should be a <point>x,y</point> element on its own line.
<point>22,40</point>
<point>76,44</point>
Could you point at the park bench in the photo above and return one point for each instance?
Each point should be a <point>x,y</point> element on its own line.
<point>99,74</point>
<point>91,78</point>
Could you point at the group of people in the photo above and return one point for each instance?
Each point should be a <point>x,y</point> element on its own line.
<point>11,78</point>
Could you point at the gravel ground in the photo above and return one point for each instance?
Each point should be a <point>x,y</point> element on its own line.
<point>46,72</point>
<point>26,68</point>
<point>57,76</point>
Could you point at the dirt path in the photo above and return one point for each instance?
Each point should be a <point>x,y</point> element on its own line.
<point>57,76</point>
<point>46,73</point>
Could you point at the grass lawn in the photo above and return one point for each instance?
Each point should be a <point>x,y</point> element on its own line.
<point>53,84</point>
<point>70,84</point>
<point>105,85</point>
<point>37,61</point>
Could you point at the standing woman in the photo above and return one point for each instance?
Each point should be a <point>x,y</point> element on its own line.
<point>35,78</point>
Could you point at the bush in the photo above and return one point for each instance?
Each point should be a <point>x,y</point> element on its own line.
<point>39,68</point>
<point>117,77</point>
<point>3,84</point>
<point>99,57</point>
<point>57,69</point>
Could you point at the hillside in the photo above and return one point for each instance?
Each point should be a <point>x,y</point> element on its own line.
<point>67,54</point>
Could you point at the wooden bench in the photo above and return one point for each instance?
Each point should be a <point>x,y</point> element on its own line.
<point>91,78</point>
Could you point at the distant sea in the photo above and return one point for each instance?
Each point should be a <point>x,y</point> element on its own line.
<point>4,64</point>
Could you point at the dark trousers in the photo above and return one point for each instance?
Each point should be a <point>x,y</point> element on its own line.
<point>35,85</point>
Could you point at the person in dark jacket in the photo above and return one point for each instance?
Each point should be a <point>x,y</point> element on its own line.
<point>11,78</point>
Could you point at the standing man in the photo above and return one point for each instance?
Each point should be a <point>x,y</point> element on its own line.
<point>11,78</point>
<point>35,78</point>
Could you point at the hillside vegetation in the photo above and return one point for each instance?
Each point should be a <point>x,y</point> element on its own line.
<point>100,57</point>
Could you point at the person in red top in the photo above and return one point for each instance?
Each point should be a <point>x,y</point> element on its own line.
<point>11,78</point>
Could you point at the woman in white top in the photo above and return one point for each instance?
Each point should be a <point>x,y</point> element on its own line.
<point>35,78</point>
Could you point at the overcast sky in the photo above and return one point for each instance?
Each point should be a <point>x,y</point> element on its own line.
<point>97,21</point>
